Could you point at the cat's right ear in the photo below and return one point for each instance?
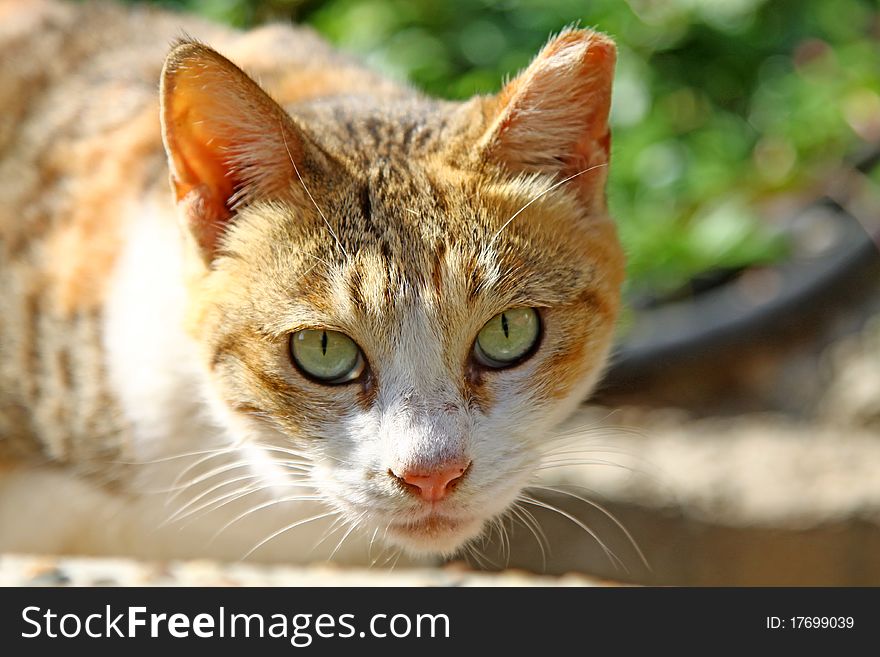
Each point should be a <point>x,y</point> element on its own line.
<point>227,141</point>
<point>553,117</point>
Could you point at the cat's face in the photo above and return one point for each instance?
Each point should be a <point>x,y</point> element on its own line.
<point>400,325</point>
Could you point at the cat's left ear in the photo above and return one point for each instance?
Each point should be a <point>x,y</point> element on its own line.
<point>227,141</point>
<point>553,117</point>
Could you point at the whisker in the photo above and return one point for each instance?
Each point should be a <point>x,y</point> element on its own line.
<point>385,547</point>
<point>396,559</point>
<point>394,553</point>
<point>505,540</point>
<point>335,526</point>
<point>296,466</point>
<point>180,475</point>
<point>519,513</point>
<point>553,464</point>
<point>176,488</point>
<point>308,457</point>
<point>354,525</point>
<point>287,528</point>
<point>586,443</point>
<point>314,257</point>
<point>571,448</point>
<point>546,191</point>
<point>483,562</point>
<point>370,548</point>
<point>234,495</point>
<point>550,465</point>
<point>282,449</point>
<point>207,492</point>
<point>219,502</point>
<point>604,430</point>
<point>264,505</point>
<point>311,198</point>
<point>612,557</point>
<point>166,459</point>
<point>598,426</point>
<point>639,466</point>
<point>605,512</point>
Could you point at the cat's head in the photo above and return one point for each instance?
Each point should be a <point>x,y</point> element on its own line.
<point>397,298</point>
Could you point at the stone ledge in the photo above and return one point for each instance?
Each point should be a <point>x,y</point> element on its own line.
<point>28,570</point>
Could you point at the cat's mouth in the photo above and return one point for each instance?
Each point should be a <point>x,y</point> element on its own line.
<point>435,532</point>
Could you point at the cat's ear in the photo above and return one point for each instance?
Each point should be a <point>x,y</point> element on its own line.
<point>227,141</point>
<point>553,117</point>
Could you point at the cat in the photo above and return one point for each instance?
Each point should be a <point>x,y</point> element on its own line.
<point>347,329</point>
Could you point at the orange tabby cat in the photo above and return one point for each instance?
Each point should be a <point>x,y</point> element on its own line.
<point>347,330</point>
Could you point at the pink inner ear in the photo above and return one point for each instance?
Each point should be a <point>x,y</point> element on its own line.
<point>200,173</point>
<point>222,135</point>
<point>199,160</point>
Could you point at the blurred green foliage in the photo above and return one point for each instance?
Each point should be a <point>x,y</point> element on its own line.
<point>719,106</point>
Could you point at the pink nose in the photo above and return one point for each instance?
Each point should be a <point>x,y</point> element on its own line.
<point>435,485</point>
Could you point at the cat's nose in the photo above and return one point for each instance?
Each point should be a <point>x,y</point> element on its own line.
<point>435,484</point>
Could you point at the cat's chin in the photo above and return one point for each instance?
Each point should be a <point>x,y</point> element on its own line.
<point>434,534</point>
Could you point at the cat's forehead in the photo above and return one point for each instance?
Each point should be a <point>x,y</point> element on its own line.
<point>359,131</point>
<point>406,235</point>
<point>397,188</point>
<point>399,235</point>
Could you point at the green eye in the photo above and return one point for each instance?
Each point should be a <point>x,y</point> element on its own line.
<point>328,356</point>
<point>507,337</point>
